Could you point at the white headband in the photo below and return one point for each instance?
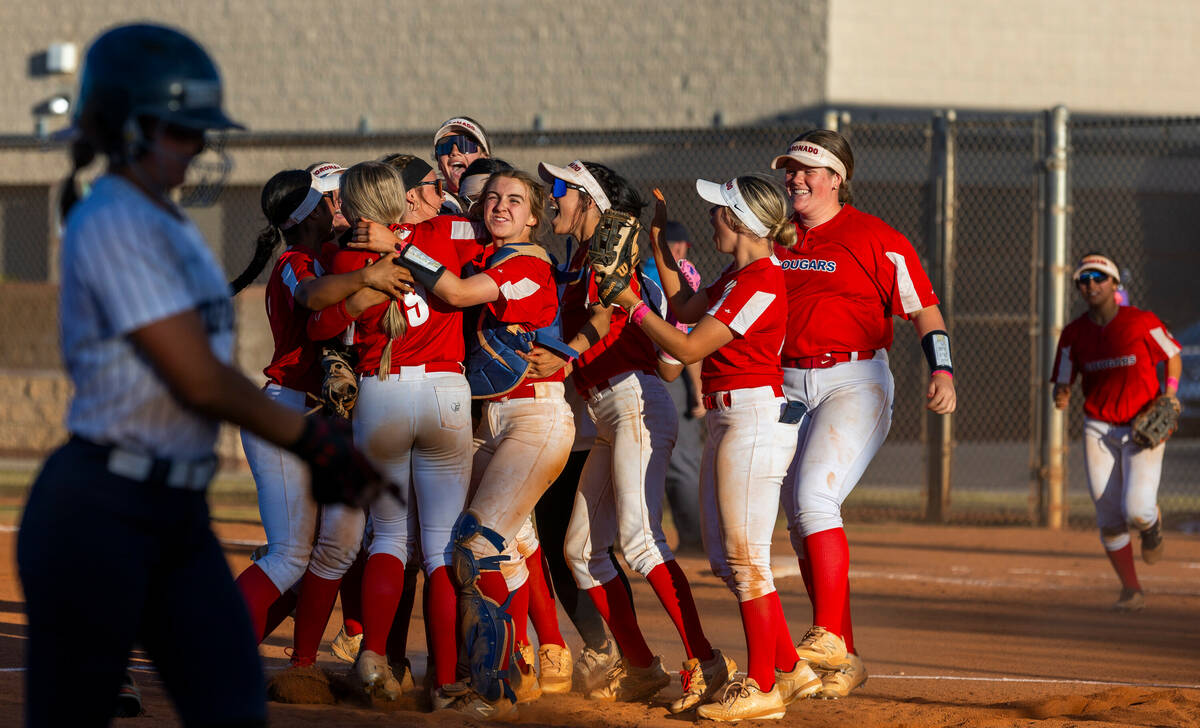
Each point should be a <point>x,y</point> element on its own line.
<point>1100,263</point>
<point>728,195</point>
<point>811,154</point>
<point>305,208</point>
<point>577,173</point>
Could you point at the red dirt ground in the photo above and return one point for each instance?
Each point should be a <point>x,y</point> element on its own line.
<point>958,626</point>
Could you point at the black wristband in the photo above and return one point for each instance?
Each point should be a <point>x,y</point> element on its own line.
<point>425,270</point>
<point>936,345</point>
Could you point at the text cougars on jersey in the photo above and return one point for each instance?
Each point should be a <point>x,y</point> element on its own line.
<point>824,266</point>
<point>1115,363</point>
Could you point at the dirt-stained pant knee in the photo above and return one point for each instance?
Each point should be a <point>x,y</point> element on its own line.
<point>1123,481</point>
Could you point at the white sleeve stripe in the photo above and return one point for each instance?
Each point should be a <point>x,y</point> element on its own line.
<point>750,312</point>
<point>523,288</point>
<point>908,292</point>
<point>289,278</point>
<point>1064,373</point>
<point>717,306</point>
<point>461,230</point>
<point>1170,348</point>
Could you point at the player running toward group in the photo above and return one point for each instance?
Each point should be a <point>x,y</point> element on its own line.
<point>1116,349</point>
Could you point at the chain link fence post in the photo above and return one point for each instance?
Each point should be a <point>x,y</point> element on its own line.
<point>1053,471</point>
<point>941,248</point>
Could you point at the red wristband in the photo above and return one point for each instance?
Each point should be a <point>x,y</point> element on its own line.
<point>942,371</point>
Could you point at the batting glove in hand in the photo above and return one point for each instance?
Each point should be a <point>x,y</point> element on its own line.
<point>340,472</point>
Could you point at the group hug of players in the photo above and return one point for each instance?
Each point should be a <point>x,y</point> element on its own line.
<point>437,283</point>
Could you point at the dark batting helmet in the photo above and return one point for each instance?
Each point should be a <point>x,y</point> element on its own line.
<point>139,71</point>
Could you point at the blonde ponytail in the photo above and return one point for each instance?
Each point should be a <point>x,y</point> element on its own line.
<point>394,326</point>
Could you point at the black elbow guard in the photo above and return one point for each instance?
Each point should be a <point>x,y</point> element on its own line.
<point>425,270</point>
<point>936,345</point>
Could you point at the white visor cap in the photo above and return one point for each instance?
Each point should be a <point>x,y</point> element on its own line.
<point>728,195</point>
<point>813,155</point>
<point>577,174</point>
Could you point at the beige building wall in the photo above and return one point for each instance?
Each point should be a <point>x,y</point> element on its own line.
<point>407,65</point>
<point>1104,56</point>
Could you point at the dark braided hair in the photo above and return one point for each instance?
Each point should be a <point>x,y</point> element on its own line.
<point>281,195</point>
<point>82,154</point>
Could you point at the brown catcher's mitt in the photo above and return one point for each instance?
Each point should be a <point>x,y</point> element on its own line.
<point>1156,422</point>
<point>339,391</point>
<point>612,253</point>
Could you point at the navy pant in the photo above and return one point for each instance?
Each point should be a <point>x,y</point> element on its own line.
<point>106,562</point>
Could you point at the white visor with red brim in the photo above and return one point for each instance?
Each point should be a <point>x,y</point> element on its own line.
<point>577,174</point>
<point>1100,263</point>
<point>328,175</point>
<point>728,195</point>
<point>812,155</point>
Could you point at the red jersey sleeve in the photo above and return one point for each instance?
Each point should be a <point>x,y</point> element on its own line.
<point>527,291</point>
<point>1159,341</point>
<point>911,289</point>
<point>332,321</point>
<point>740,307</point>
<point>1064,371</point>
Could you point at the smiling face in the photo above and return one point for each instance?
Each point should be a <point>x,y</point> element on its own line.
<point>507,211</point>
<point>813,191</point>
<point>1096,293</point>
<point>453,165</point>
<point>572,209</point>
<point>332,201</point>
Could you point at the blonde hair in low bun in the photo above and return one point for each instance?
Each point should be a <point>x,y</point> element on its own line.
<point>769,205</point>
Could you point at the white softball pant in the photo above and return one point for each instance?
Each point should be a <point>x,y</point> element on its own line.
<point>415,427</point>
<point>746,457</point>
<point>623,481</point>
<point>521,447</point>
<point>1123,479</point>
<point>290,515</point>
<point>849,415</point>
<point>525,543</point>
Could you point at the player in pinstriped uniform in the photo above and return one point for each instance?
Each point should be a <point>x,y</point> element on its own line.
<point>1115,350</point>
<point>847,275</point>
<point>147,334</point>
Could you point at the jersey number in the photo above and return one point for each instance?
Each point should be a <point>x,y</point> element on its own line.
<point>416,310</point>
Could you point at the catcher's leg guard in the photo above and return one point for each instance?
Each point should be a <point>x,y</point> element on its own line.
<point>485,626</point>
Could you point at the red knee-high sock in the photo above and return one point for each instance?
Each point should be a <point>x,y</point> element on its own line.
<point>758,621</point>
<point>542,611</point>
<point>383,583</point>
<point>260,593</point>
<point>847,627</point>
<point>615,606</point>
<point>830,556</point>
<point>518,609</point>
<point>675,593</point>
<point>785,649</point>
<point>441,611</point>
<point>807,575</point>
<point>351,593</point>
<point>317,596</point>
<point>397,642</point>
<point>1122,562</point>
<point>281,610</point>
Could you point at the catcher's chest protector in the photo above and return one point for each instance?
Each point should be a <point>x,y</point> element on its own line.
<point>493,366</point>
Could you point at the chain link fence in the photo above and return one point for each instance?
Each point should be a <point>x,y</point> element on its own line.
<point>1135,186</point>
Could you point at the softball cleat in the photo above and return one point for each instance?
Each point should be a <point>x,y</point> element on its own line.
<point>628,684</point>
<point>745,700</point>
<point>822,649</point>
<point>702,680</point>
<point>838,683</point>
<point>554,669</point>
<point>799,683</point>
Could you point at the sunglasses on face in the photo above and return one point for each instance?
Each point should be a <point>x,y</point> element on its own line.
<point>1092,276</point>
<point>437,185</point>
<point>465,144</point>
<point>561,186</point>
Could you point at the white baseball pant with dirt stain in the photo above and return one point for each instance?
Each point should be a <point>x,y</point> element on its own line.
<point>415,427</point>
<point>621,488</point>
<point>521,445</point>
<point>290,515</point>
<point>849,415</point>
<point>1123,479</point>
<point>746,457</point>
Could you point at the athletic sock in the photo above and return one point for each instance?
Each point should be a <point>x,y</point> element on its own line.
<point>1122,562</point>
<point>542,611</point>
<point>441,612</point>
<point>383,583</point>
<point>675,594</point>
<point>758,622</point>
<point>281,610</point>
<point>518,609</point>
<point>317,596</point>
<point>614,605</point>
<point>397,642</point>
<point>351,593</point>
<point>785,649</point>
<point>807,575</point>
<point>260,593</point>
<point>830,556</point>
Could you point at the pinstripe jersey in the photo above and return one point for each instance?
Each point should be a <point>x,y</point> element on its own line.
<point>127,263</point>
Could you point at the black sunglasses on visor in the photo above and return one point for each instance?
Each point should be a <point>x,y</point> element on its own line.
<point>1093,276</point>
<point>465,144</point>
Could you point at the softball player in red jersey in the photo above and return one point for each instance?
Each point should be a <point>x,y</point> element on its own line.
<point>412,418</point>
<point>847,275</point>
<point>1116,349</point>
<point>740,323</point>
<point>620,498</point>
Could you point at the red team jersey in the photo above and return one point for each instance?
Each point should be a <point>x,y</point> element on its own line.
<point>752,302</point>
<point>434,333</point>
<point>623,349</point>
<point>528,298</point>
<point>1117,362</point>
<point>846,278</point>
<point>294,364</point>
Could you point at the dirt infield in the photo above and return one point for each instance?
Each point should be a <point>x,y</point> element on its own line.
<point>958,627</point>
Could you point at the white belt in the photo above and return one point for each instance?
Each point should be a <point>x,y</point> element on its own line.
<point>183,474</point>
